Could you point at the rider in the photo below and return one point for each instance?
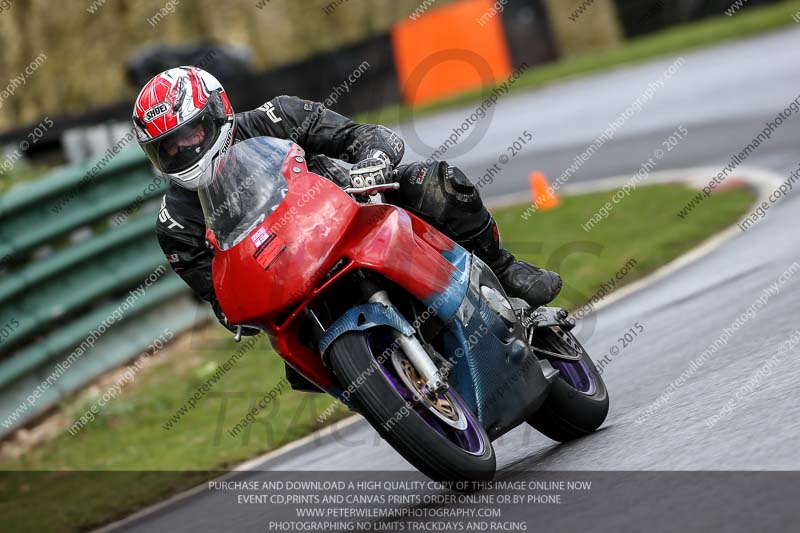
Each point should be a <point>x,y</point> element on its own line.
<point>183,120</point>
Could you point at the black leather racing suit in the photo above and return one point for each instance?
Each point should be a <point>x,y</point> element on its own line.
<point>438,193</point>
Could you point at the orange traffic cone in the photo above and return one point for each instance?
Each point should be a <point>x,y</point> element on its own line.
<point>544,196</point>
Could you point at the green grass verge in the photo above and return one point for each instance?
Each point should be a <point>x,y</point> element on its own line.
<point>642,227</point>
<point>669,41</point>
<point>128,436</point>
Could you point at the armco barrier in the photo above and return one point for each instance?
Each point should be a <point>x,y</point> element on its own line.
<point>82,293</point>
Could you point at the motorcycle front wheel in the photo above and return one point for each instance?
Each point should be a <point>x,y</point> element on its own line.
<point>436,433</point>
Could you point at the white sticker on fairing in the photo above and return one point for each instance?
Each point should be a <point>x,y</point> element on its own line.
<point>259,237</point>
<point>156,111</point>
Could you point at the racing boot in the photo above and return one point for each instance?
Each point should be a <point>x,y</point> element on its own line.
<point>519,279</point>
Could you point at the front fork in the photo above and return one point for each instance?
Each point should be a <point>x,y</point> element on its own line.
<point>435,379</point>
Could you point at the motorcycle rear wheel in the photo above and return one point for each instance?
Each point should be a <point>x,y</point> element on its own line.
<point>578,402</point>
<point>434,448</point>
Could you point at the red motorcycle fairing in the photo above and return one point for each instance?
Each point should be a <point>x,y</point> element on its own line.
<point>268,277</point>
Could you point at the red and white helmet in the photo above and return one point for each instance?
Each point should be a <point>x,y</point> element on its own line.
<point>183,120</point>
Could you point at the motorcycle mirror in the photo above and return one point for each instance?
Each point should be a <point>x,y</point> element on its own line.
<point>212,239</point>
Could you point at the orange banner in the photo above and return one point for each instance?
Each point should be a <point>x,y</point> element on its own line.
<point>449,50</point>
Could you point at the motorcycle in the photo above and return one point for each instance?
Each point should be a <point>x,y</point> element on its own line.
<point>377,308</point>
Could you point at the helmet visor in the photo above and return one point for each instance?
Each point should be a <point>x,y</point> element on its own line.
<point>180,149</point>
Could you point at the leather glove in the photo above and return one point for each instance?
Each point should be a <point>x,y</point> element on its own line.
<point>375,170</point>
<point>246,331</point>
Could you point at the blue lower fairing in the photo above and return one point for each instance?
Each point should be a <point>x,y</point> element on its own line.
<point>494,370</point>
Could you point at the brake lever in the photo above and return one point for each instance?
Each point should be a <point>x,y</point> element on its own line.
<point>371,188</point>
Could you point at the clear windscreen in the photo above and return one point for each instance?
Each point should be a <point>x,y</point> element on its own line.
<point>247,185</point>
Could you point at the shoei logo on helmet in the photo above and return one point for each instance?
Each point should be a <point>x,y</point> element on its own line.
<point>156,111</point>
<point>226,144</point>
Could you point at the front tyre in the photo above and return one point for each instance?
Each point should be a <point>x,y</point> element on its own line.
<point>578,402</point>
<point>435,433</point>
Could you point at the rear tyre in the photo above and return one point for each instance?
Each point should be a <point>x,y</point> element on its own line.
<point>426,437</point>
<point>578,402</point>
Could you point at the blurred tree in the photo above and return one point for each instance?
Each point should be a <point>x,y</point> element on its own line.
<point>596,28</point>
<point>87,41</point>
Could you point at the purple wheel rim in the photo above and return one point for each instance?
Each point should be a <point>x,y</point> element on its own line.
<point>577,374</point>
<point>470,439</point>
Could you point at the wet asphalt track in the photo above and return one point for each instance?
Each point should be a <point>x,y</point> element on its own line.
<point>723,96</point>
